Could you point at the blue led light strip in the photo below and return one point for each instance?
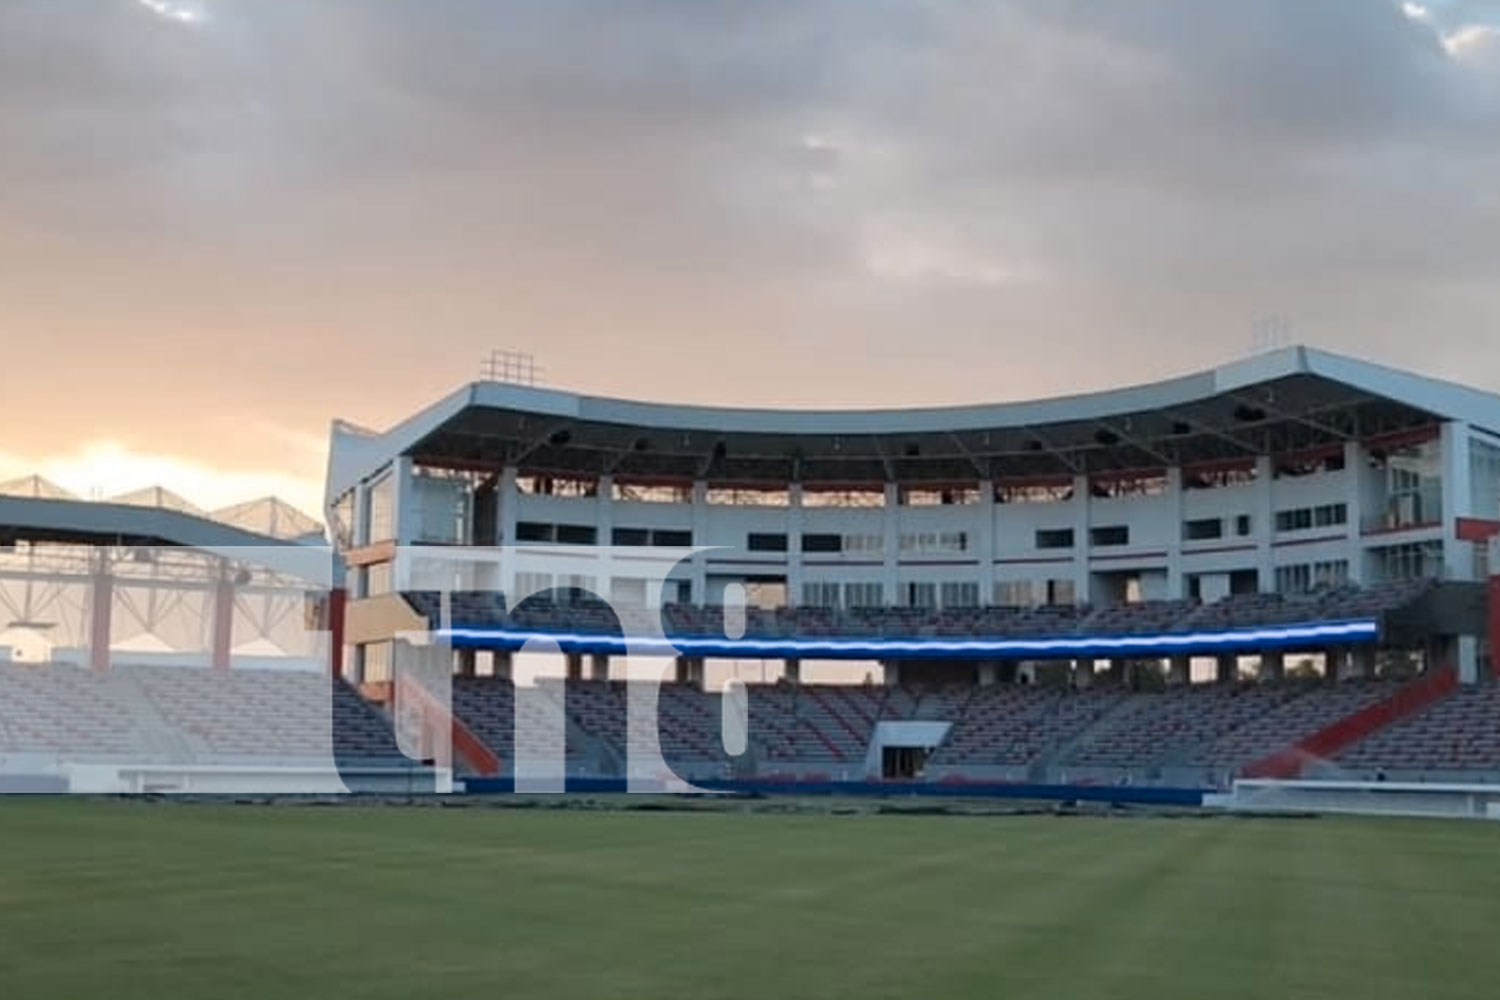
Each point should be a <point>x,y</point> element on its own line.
<point>1170,642</point>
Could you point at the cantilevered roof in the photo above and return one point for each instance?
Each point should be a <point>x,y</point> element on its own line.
<point>1290,400</point>
<point>78,522</point>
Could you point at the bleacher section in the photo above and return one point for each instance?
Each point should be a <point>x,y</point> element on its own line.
<point>1458,735</point>
<point>185,714</point>
<point>1195,733</point>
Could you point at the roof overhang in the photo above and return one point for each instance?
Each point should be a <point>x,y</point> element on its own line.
<point>77,522</point>
<point>1287,401</point>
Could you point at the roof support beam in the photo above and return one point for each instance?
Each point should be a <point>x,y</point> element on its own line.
<point>1212,431</point>
<point>538,442</point>
<point>1304,419</point>
<point>980,469</point>
<point>1057,453</point>
<point>885,459</point>
<point>1131,439</point>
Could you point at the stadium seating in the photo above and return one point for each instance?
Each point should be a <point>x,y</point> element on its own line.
<point>185,714</point>
<point>1458,733</point>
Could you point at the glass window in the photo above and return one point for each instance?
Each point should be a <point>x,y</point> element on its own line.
<point>820,594</point>
<point>760,541</point>
<point>1054,538</point>
<point>960,594</point>
<point>382,510</point>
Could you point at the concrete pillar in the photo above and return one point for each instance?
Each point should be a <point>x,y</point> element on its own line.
<point>1179,670</point>
<point>1335,664</point>
<point>101,609</point>
<point>1354,475</point>
<point>1081,504</point>
<point>890,526</point>
<point>792,671</point>
<point>1263,523</point>
<point>699,560</point>
<point>507,502</point>
<point>1116,672</point>
<point>1176,589</point>
<point>689,670</point>
<point>468,662</point>
<point>575,666</point>
<point>1226,668</point>
<point>1362,661</point>
<point>1083,673</point>
<point>599,667</point>
<point>984,541</point>
<point>794,545</point>
<point>1273,665</point>
<point>223,623</point>
<point>1493,601</point>
<point>504,665</point>
<point>1458,555</point>
<point>1467,655</point>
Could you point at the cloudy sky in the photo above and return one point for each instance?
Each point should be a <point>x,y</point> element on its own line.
<point>224,222</point>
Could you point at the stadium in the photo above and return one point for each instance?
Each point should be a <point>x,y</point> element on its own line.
<point>1278,569</point>
<point>957,500</point>
<point>1261,591</point>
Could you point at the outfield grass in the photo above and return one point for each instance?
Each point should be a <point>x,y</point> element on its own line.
<point>125,899</point>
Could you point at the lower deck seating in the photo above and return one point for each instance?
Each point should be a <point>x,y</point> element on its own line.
<point>1460,732</point>
<point>1014,725</point>
<point>185,714</point>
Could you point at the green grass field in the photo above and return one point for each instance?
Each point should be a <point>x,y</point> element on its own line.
<point>127,899</point>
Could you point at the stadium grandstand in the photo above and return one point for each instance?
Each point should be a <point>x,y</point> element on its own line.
<point>146,644</point>
<point>1279,567</point>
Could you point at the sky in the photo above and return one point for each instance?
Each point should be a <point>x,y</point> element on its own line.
<point>224,223</point>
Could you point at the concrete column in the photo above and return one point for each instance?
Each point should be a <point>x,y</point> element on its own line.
<point>1083,673</point>
<point>223,623</point>
<point>101,609</point>
<point>1458,555</point>
<point>1081,504</point>
<point>1467,655</point>
<point>890,575</point>
<point>604,531</point>
<point>792,671</point>
<point>699,562</point>
<point>599,667</point>
<point>1116,672</point>
<point>794,518</point>
<point>1263,524</point>
<point>689,670</point>
<point>504,665</point>
<point>984,542</point>
<point>403,499</point>
<point>575,666</point>
<point>1335,663</point>
<point>468,662</point>
<point>1493,601</point>
<point>1362,661</point>
<point>1272,665</point>
<point>506,501</point>
<point>1226,668</point>
<point>1176,590</point>
<point>1354,499</point>
<point>1179,670</point>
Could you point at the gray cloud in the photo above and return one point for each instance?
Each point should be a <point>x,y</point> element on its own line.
<point>336,206</point>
